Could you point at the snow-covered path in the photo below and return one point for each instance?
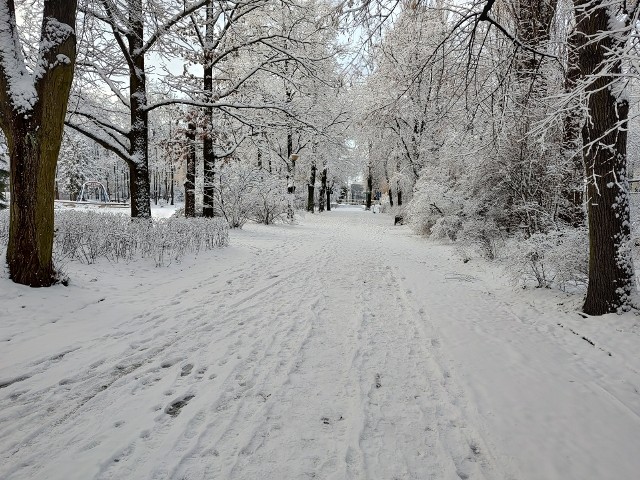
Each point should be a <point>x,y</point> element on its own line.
<point>340,348</point>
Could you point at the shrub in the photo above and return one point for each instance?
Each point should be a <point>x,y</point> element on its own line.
<point>557,258</point>
<point>480,236</point>
<point>248,193</point>
<point>87,236</point>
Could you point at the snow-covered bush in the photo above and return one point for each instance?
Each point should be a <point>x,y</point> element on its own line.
<point>88,236</point>
<point>271,204</point>
<point>447,227</point>
<point>433,203</point>
<point>235,192</point>
<point>480,236</point>
<point>558,258</point>
<point>248,193</point>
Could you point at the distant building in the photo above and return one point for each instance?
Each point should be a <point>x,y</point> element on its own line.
<point>357,192</point>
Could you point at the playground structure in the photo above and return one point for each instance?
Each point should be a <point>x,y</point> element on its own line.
<point>92,193</point>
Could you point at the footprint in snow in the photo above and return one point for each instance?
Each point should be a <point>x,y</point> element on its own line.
<point>174,408</point>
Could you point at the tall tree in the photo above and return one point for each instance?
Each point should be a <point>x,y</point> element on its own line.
<point>136,28</point>
<point>603,29</point>
<point>190,182</point>
<point>533,189</point>
<point>33,103</point>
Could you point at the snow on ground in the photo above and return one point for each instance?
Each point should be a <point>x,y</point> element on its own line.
<point>162,210</point>
<point>340,348</point>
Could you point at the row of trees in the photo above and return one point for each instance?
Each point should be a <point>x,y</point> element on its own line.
<point>490,117</point>
<point>258,84</point>
<point>483,118</point>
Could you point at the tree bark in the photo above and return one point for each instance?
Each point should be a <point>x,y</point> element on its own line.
<point>172,181</point>
<point>29,254</point>
<point>34,136</point>
<point>572,141</point>
<point>209,157</point>
<point>190,183</point>
<point>604,135</point>
<point>323,189</point>
<point>369,188</point>
<point>386,173</point>
<point>329,192</point>
<point>139,186</point>
<point>311,188</point>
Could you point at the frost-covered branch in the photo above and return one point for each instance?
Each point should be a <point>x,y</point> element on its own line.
<point>17,91</point>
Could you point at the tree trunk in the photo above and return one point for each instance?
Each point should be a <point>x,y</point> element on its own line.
<point>604,135</point>
<point>209,158</point>
<point>572,142</point>
<point>386,174</point>
<point>329,192</point>
<point>311,188</point>
<point>139,190</point>
<point>172,182</point>
<point>369,188</point>
<point>209,174</point>
<point>399,197</point>
<point>156,187</point>
<point>34,135</point>
<point>29,254</point>
<point>323,189</point>
<point>190,184</point>
<point>139,186</point>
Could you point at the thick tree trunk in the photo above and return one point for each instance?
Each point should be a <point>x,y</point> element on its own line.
<point>399,197</point>
<point>29,254</point>
<point>139,186</point>
<point>311,188</point>
<point>34,136</point>
<point>209,158</point>
<point>209,174</point>
<point>139,189</point>
<point>611,276</point>
<point>190,183</point>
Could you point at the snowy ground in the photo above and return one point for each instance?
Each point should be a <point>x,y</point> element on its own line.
<point>341,348</point>
<point>162,210</point>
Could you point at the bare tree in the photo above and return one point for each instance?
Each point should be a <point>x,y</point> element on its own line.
<point>129,22</point>
<point>604,136</point>
<point>34,103</point>
<point>594,72</point>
